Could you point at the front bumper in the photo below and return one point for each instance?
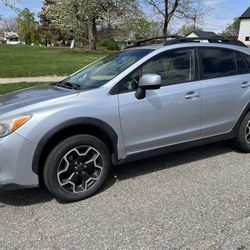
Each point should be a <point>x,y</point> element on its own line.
<point>16,157</point>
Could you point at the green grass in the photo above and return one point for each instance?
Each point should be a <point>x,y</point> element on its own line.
<point>26,61</point>
<point>6,88</point>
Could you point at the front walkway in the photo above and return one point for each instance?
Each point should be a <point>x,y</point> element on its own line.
<point>32,79</point>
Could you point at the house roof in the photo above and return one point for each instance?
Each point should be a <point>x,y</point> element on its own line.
<point>246,14</point>
<point>204,33</point>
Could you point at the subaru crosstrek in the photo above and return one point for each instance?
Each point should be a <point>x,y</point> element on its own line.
<point>138,103</point>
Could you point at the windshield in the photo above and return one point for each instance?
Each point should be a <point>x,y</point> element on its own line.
<point>102,71</point>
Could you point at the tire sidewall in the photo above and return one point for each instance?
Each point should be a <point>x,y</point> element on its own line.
<point>55,157</point>
<point>241,137</point>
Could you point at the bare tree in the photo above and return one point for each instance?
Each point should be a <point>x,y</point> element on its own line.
<point>9,3</point>
<point>168,9</point>
<point>8,24</point>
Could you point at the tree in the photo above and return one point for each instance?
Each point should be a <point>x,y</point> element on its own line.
<point>139,27</point>
<point>232,29</point>
<point>9,3</point>
<point>168,9</point>
<point>81,16</point>
<point>187,29</point>
<point>133,29</point>
<point>27,27</point>
<point>8,24</point>
<point>49,30</point>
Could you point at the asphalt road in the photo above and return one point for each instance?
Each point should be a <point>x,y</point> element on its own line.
<point>195,199</point>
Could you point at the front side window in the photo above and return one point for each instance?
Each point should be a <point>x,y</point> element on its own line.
<point>177,66</point>
<point>217,63</point>
<point>104,70</point>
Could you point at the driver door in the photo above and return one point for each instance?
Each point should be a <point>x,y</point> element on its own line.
<point>169,115</point>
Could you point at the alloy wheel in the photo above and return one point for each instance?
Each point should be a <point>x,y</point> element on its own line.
<point>247,133</point>
<point>80,169</point>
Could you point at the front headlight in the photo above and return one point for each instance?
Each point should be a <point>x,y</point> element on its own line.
<point>8,126</point>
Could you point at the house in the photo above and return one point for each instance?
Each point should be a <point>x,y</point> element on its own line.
<point>11,38</point>
<point>244,33</point>
<point>201,34</point>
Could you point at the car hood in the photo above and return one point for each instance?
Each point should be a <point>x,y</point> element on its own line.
<point>27,97</point>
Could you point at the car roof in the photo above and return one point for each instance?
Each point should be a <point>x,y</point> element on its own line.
<point>155,47</point>
<point>151,46</point>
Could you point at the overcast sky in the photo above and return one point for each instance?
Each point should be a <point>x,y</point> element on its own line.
<point>221,12</point>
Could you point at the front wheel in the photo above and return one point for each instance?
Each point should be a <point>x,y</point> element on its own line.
<point>76,168</point>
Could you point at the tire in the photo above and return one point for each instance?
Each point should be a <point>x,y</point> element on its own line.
<point>76,168</point>
<point>242,140</point>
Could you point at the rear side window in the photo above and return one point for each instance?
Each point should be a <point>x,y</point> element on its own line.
<point>248,61</point>
<point>241,63</point>
<point>217,63</point>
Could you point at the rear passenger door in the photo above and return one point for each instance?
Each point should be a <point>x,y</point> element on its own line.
<point>225,89</point>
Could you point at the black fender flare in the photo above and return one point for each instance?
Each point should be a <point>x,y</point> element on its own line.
<point>85,121</point>
<point>240,119</point>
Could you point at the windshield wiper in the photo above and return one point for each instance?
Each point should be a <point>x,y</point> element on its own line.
<point>68,85</point>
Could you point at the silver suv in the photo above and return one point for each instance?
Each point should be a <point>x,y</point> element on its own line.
<point>138,103</point>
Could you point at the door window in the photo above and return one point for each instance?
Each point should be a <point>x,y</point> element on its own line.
<point>177,66</point>
<point>248,61</point>
<point>241,63</point>
<point>217,63</point>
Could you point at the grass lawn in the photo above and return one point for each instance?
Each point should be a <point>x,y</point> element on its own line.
<point>25,61</point>
<point>6,88</point>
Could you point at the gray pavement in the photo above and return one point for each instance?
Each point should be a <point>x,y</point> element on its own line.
<point>195,199</point>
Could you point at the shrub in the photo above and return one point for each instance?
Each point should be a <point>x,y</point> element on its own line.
<point>110,44</point>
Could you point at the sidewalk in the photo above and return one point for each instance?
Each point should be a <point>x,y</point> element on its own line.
<point>32,79</point>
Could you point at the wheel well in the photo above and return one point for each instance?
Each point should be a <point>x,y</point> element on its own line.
<point>65,133</point>
<point>240,119</point>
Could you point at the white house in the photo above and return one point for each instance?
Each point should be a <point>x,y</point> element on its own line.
<point>10,38</point>
<point>244,34</point>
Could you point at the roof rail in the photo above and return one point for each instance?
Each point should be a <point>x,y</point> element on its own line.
<point>217,39</point>
<point>143,42</point>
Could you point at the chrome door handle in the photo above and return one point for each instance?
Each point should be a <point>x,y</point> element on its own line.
<point>192,95</point>
<point>245,85</point>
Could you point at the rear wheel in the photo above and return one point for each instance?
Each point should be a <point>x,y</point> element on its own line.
<point>77,167</point>
<point>242,139</point>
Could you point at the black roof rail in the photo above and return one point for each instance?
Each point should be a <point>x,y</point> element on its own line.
<point>143,42</point>
<point>217,39</point>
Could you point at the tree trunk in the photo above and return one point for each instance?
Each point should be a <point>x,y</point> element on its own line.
<point>166,20</point>
<point>92,34</point>
<point>165,27</point>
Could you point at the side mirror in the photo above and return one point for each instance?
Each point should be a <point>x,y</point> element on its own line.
<point>147,82</point>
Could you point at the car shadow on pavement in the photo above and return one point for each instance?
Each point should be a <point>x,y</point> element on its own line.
<point>122,172</point>
<point>176,159</point>
<point>24,197</point>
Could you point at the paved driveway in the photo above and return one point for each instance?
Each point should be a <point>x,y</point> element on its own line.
<point>195,199</point>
